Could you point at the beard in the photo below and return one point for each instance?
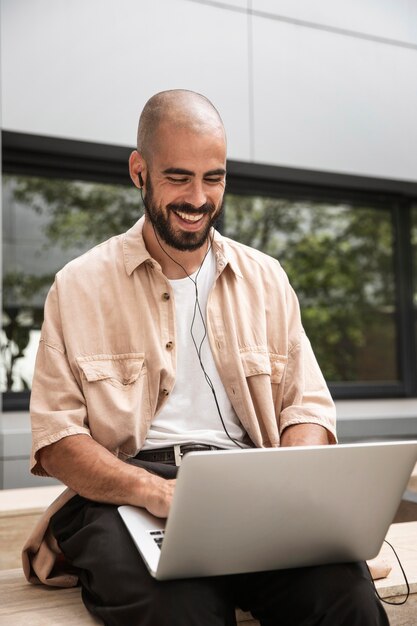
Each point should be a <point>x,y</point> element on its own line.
<point>178,239</point>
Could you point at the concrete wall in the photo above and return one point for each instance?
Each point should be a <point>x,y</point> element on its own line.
<point>367,420</point>
<point>15,443</point>
<point>326,85</point>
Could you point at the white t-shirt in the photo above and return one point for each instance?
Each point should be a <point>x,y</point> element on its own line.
<point>190,414</point>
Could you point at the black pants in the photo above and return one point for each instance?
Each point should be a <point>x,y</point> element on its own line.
<point>117,588</point>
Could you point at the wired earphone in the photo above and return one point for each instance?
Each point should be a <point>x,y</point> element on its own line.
<point>197,309</point>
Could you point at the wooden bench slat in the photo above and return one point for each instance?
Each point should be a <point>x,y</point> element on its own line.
<point>22,603</point>
<point>19,511</point>
<point>13,533</point>
<point>38,605</point>
<point>403,537</point>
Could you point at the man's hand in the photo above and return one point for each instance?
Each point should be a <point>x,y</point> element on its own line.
<point>95,473</point>
<point>158,494</point>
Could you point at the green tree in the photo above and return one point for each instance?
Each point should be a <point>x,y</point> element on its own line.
<point>339,260</point>
<point>79,213</point>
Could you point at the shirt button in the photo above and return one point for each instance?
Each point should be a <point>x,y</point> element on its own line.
<point>166,296</point>
<point>169,345</point>
<point>165,392</point>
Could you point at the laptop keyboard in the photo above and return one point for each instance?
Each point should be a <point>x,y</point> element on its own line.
<point>157,536</point>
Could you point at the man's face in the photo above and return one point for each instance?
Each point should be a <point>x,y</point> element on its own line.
<point>185,185</point>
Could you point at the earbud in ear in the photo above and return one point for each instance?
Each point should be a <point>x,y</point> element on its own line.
<point>140,179</point>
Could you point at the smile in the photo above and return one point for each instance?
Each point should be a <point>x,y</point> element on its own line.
<point>187,217</point>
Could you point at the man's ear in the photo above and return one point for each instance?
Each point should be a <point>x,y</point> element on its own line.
<point>137,169</point>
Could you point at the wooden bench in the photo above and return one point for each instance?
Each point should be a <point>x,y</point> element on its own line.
<point>19,512</point>
<point>22,603</point>
<point>38,605</point>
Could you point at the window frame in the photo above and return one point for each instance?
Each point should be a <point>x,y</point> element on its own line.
<point>52,157</point>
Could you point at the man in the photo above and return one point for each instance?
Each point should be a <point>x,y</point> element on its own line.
<point>166,339</point>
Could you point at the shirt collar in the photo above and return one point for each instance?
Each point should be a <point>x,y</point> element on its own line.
<point>135,252</point>
<point>224,255</point>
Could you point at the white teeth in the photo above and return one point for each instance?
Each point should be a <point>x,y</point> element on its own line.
<point>188,217</point>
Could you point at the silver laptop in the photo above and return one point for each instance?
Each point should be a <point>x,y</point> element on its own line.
<point>240,511</point>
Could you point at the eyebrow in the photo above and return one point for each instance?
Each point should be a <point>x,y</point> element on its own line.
<point>178,170</point>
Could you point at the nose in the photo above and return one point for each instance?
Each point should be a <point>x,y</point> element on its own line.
<point>196,194</point>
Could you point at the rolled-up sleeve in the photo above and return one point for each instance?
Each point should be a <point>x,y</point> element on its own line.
<point>57,405</point>
<point>306,398</point>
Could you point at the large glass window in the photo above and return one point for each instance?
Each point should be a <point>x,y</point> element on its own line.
<point>339,258</point>
<point>344,260</point>
<point>46,223</point>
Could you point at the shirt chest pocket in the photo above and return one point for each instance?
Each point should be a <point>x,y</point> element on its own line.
<point>119,370</point>
<point>117,397</point>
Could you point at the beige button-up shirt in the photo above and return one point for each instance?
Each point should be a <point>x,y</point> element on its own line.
<point>107,355</point>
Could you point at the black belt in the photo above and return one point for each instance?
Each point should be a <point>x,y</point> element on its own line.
<point>173,454</point>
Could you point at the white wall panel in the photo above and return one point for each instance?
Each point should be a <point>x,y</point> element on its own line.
<point>391,19</point>
<point>240,4</point>
<point>322,100</point>
<point>83,69</point>
<point>334,103</point>
<point>232,4</point>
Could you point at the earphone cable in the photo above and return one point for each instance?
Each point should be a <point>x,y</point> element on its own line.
<point>407,594</point>
<point>197,307</point>
<point>198,348</point>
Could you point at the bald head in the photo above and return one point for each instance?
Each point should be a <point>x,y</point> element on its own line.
<point>178,108</point>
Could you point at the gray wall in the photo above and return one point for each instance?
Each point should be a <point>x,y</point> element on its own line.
<point>357,421</point>
<point>327,85</point>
